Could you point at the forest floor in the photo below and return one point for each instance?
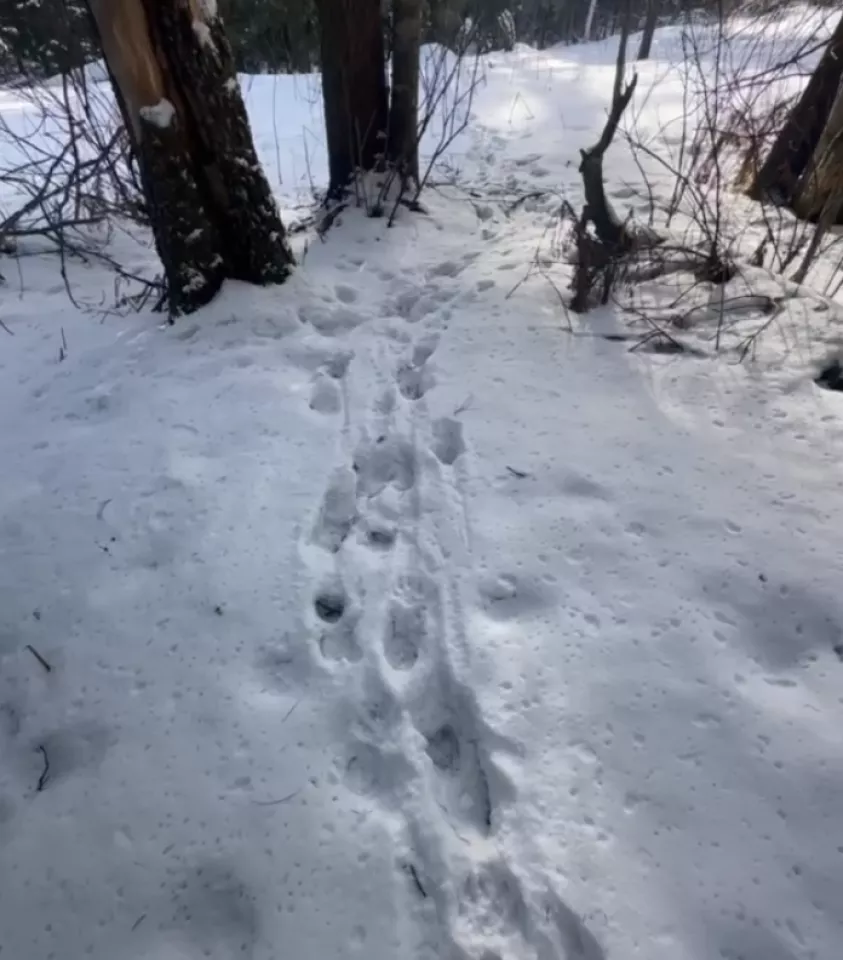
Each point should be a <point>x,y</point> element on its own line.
<point>397,612</point>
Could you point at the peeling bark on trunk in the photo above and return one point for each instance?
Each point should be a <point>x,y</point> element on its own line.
<point>353,88</point>
<point>402,147</point>
<point>778,176</point>
<point>212,211</point>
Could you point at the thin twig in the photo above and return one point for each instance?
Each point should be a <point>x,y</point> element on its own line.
<point>45,773</point>
<point>275,803</point>
<point>39,658</point>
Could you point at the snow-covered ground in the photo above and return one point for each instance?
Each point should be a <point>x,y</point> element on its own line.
<point>387,616</point>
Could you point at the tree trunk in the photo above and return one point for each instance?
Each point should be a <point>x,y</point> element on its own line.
<point>778,176</point>
<point>823,176</point>
<point>589,19</point>
<point>402,144</point>
<point>353,88</point>
<point>649,29</point>
<point>212,212</point>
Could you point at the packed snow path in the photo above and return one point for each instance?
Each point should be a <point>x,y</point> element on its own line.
<point>386,618</point>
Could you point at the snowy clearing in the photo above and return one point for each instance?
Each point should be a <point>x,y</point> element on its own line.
<point>380,614</point>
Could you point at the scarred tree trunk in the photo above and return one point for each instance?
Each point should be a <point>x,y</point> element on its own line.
<point>212,212</point>
<point>796,143</point>
<point>354,91</point>
<point>402,146</point>
<point>823,177</point>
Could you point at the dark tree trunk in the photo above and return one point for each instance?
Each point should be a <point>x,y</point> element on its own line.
<point>791,153</point>
<point>353,88</point>
<point>402,145</point>
<point>212,212</point>
<point>649,29</point>
<point>822,179</point>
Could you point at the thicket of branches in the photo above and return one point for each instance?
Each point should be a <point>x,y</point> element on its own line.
<point>707,262</point>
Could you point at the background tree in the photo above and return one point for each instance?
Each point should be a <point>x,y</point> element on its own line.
<point>353,88</point>
<point>211,210</point>
<point>272,36</point>
<point>649,29</point>
<point>41,38</point>
<point>402,145</point>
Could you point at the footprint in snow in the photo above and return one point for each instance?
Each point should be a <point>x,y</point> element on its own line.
<point>330,321</point>
<point>346,293</point>
<point>413,613</point>
<point>384,461</point>
<point>325,395</point>
<point>369,771</point>
<point>330,603</point>
<point>464,787</point>
<point>448,268</point>
<point>414,382</point>
<point>339,640</point>
<point>448,443</point>
<point>338,511</point>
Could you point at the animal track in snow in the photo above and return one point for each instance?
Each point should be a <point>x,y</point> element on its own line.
<point>339,641</point>
<point>386,460</point>
<point>404,635</point>
<point>491,899</point>
<point>492,903</point>
<point>330,321</point>
<point>448,443</point>
<point>345,293</point>
<point>325,396</point>
<point>448,268</point>
<point>371,771</point>
<point>424,349</point>
<point>413,304</point>
<point>413,377</point>
<point>336,366</point>
<point>379,535</point>
<point>330,603</point>
<point>338,511</point>
<point>414,382</point>
<point>465,786</point>
<point>413,612</point>
<point>446,715</point>
<point>376,716</point>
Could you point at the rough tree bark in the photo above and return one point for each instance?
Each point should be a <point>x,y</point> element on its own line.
<point>779,175</point>
<point>212,212</point>
<point>822,178</point>
<point>354,91</point>
<point>402,143</point>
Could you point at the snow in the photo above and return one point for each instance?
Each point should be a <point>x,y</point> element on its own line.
<point>394,612</point>
<point>203,32</point>
<point>160,114</point>
<point>209,9</point>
